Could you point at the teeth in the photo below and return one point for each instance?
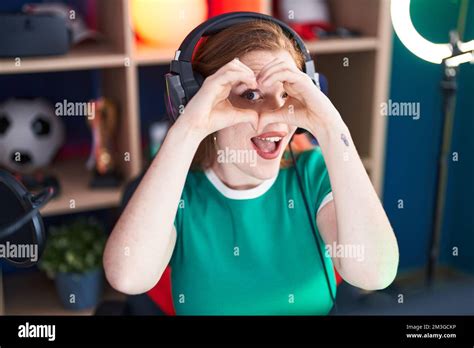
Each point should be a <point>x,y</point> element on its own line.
<point>272,139</point>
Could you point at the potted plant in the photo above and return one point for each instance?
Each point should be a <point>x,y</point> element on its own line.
<point>73,258</point>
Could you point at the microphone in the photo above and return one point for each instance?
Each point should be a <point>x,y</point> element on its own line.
<point>22,236</point>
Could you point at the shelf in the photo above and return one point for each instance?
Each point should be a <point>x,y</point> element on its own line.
<point>94,56</point>
<point>35,294</point>
<point>327,46</point>
<point>74,179</point>
<point>84,56</point>
<point>148,55</point>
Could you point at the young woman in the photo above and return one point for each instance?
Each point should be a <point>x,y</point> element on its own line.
<point>234,228</point>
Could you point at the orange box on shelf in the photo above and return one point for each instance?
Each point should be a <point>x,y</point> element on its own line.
<point>166,23</point>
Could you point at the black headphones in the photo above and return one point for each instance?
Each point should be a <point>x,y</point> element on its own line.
<point>182,83</point>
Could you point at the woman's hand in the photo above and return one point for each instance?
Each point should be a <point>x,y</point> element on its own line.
<point>356,218</point>
<point>210,110</point>
<point>306,106</point>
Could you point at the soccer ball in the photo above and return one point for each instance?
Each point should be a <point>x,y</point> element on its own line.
<point>30,134</point>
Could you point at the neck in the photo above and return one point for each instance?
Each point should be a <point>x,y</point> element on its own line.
<point>234,178</point>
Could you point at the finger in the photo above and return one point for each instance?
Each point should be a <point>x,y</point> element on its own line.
<point>268,69</point>
<point>238,62</point>
<point>273,63</point>
<point>234,65</point>
<point>220,86</point>
<point>230,68</point>
<point>231,77</point>
<point>281,75</point>
<point>278,73</point>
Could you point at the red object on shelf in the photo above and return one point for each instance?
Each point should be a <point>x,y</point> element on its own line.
<point>217,7</point>
<point>307,31</point>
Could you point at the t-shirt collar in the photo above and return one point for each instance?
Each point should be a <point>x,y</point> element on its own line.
<point>228,192</point>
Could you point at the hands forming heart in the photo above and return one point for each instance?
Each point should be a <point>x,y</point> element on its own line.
<point>305,106</point>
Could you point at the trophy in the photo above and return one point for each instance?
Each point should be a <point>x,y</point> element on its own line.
<point>103,123</point>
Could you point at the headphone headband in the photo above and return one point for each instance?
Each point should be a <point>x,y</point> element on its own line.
<point>226,20</point>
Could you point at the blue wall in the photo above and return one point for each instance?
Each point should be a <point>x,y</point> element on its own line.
<point>413,145</point>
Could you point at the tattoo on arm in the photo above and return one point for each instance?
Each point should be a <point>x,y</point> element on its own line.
<point>344,139</point>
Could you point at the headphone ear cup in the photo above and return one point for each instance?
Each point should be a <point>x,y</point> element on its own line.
<point>174,95</point>
<point>198,78</point>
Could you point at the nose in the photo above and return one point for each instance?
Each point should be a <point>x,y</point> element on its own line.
<point>272,103</point>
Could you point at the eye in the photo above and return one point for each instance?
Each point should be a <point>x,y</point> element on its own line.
<point>284,95</point>
<point>251,95</point>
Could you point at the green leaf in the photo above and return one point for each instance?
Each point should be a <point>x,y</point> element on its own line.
<point>76,247</point>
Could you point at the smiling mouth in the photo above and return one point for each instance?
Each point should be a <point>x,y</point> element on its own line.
<point>268,145</point>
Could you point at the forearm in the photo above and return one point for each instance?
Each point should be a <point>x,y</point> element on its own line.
<point>361,219</point>
<point>140,245</point>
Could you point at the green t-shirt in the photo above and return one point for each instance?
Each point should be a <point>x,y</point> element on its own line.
<point>252,252</point>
